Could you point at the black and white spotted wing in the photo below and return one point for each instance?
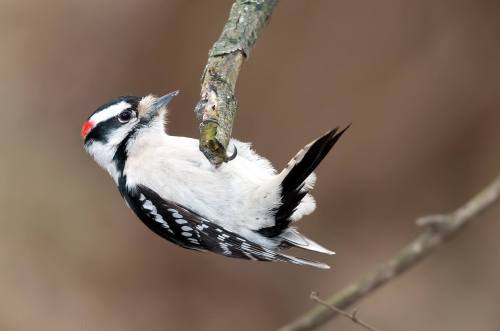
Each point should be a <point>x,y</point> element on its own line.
<point>190,230</point>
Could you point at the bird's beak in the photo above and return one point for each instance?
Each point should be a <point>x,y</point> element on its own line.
<point>163,101</point>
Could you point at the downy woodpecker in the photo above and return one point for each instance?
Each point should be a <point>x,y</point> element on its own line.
<point>243,209</point>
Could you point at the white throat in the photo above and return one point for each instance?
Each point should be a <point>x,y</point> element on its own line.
<point>103,154</point>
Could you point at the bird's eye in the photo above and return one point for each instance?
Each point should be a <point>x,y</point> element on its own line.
<point>125,116</point>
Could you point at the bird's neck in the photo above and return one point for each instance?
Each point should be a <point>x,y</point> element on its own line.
<point>148,137</point>
<point>138,148</point>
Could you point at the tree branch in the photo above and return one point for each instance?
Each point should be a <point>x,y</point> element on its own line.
<point>352,316</point>
<point>439,229</point>
<point>217,107</point>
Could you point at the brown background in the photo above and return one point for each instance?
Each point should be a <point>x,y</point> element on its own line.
<point>419,80</point>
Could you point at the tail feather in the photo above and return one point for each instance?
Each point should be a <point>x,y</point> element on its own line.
<point>292,237</point>
<point>304,163</point>
<point>293,187</point>
<point>302,261</point>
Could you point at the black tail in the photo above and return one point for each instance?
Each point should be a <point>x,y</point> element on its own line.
<point>300,167</point>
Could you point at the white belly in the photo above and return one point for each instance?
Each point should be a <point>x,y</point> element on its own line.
<point>241,193</point>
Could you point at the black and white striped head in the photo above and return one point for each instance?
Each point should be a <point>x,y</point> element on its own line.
<point>115,122</point>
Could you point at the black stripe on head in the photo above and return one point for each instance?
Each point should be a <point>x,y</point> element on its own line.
<point>101,130</point>
<point>132,100</point>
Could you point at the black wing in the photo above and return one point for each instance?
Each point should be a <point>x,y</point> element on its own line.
<point>191,230</point>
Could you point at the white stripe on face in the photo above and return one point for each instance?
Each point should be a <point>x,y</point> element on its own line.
<point>109,112</point>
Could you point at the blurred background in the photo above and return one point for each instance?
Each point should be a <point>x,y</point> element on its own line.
<point>419,80</point>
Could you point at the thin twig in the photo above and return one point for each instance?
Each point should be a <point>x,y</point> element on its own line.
<point>217,107</point>
<point>440,229</point>
<point>352,316</point>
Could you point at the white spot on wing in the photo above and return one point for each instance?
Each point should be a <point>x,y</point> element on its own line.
<point>225,248</point>
<point>187,234</point>
<point>222,237</point>
<point>148,205</point>
<point>180,221</point>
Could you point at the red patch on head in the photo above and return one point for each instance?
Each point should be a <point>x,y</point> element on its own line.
<point>86,127</point>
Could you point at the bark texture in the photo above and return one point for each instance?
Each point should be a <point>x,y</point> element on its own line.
<point>217,107</point>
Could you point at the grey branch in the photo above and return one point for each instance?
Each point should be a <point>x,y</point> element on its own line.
<point>438,229</point>
<point>217,107</point>
<point>352,316</point>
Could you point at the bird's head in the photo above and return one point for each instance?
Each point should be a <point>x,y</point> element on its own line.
<point>112,125</point>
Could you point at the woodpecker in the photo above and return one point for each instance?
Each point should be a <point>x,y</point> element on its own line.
<point>242,209</point>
